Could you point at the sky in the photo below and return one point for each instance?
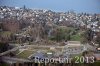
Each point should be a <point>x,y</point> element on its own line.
<point>89,6</point>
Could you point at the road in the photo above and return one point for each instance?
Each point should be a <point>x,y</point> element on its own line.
<point>89,47</point>
<point>25,46</point>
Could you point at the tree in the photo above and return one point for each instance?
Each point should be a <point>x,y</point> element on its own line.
<point>98,39</point>
<point>87,36</point>
<point>3,47</point>
<point>62,33</point>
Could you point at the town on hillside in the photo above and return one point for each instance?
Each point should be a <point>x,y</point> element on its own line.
<point>39,37</point>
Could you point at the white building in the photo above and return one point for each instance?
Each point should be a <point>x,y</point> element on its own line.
<point>74,47</point>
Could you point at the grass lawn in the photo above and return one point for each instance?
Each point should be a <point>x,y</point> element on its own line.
<point>25,54</point>
<point>76,37</point>
<point>97,63</point>
<point>5,33</point>
<point>77,58</point>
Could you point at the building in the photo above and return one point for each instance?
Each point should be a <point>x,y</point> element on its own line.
<point>74,47</point>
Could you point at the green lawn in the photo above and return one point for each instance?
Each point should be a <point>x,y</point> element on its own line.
<point>25,54</point>
<point>76,37</point>
<point>5,33</point>
<point>77,57</point>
